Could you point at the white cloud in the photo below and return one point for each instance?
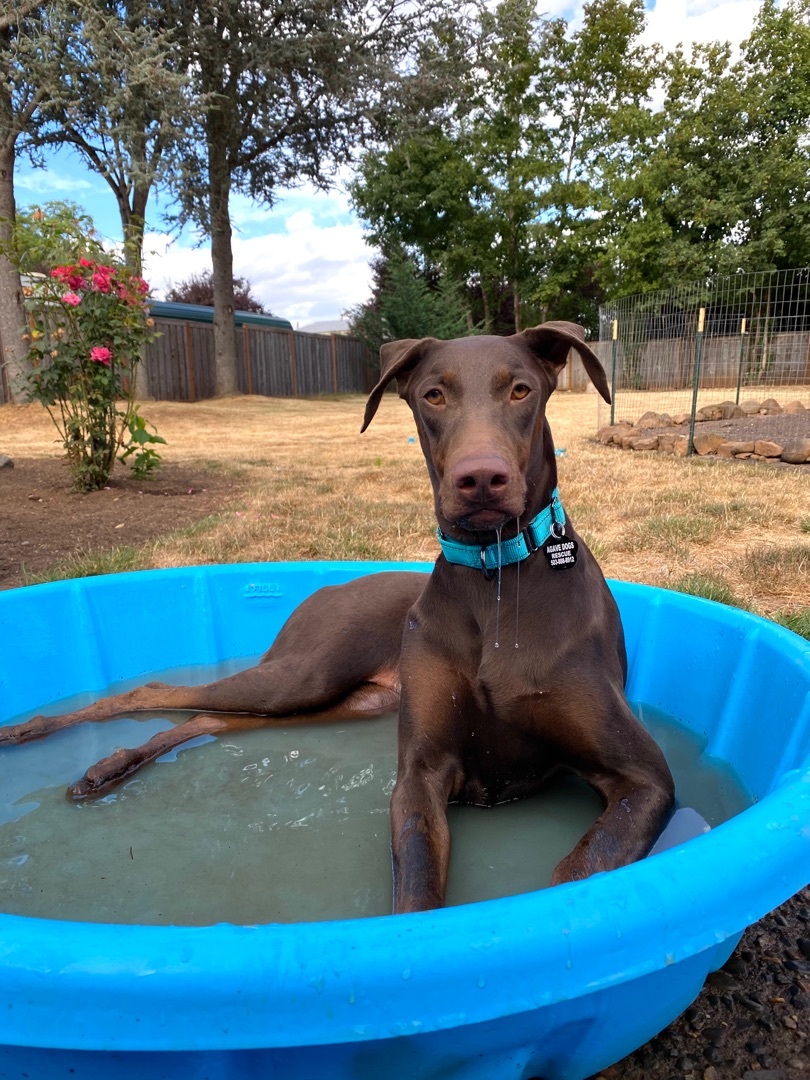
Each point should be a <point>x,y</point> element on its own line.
<point>306,273</point>
<point>671,22</point>
<point>49,184</point>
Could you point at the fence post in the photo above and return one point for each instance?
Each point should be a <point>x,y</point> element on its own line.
<point>293,372</point>
<point>740,365</point>
<point>192,388</point>
<point>248,364</point>
<point>696,379</point>
<point>334,365</point>
<point>615,336</point>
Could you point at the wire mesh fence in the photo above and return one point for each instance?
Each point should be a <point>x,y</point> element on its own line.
<point>728,358</point>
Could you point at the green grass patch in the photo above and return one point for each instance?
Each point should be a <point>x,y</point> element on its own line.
<point>670,532</point>
<point>735,512</point>
<point>796,619</point>
<point>768,566</point>
<point>710,587</point>
<point>200,527</point>
<point>599,549</point>
<point>91,564</point>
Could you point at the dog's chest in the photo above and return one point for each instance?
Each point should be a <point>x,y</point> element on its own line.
<point>505,744</point>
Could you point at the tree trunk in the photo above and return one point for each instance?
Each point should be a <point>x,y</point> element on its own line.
<point>133,223</point>
<point>12,307</point>
<point>221,259</point>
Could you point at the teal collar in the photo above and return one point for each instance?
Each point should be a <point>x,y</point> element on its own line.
<point>549,522</point>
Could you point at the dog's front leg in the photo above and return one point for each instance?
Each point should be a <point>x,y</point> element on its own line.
<point>420,839</point>
<point>429,774</point>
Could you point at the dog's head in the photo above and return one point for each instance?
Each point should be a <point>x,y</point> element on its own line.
<point>479,405</point>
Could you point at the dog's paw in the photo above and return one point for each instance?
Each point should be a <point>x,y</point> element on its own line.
<point>105,775</point>
<point>35,728</point>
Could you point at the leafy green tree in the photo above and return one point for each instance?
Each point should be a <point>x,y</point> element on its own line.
<point>289,92</point>
<point>403,305</point>
<point>596,97</point>
<point>31,51</point>
<point>460,193</point>
<point>725,185</point>
<point>775,151</point>
<point>507,197</point>
<point>52,234</point>
<point>124,103</point>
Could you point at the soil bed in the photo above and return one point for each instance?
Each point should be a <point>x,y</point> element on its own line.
<point>44,522</point>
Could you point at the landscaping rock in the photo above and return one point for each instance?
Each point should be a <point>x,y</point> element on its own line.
<point>767,449</point>
<point>778,435</point>
<point>605,434</point>
<point>709,412</point>
<point>708,444</point>
<point>644,442</point>
<point>650,420</point>
<point>797,452</point>
<point>6,462</point>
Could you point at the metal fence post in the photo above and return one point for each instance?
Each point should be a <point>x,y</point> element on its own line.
<point>740,365</point>
<point>615,334</point>
<point>696,379</point>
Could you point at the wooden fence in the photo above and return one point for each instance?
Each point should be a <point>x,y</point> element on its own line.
<point>277,363</point>
<point>274,362</point>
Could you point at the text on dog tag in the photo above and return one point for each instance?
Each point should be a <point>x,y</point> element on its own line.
<point>561,552</point>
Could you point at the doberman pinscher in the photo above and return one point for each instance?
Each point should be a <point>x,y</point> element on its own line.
<point>507,662</point>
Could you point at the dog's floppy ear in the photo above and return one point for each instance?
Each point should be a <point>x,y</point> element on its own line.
<point>397,359</point>
<point>551,341</point>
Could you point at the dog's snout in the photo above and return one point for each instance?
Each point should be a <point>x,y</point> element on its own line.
<point>481,478</point>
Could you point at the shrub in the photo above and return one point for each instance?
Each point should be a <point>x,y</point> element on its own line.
<point>87,330</point>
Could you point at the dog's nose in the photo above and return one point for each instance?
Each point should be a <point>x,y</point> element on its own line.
<point>481,478</point>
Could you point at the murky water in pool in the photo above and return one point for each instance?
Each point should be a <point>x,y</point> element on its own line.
<point>273,824</point>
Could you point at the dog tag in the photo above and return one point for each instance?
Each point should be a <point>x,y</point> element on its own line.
<point>561,552</point>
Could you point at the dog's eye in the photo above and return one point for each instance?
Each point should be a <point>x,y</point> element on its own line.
<point>520,391</point>
<point>434,397</point>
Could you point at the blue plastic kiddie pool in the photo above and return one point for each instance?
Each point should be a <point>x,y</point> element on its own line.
<point>554,984</point>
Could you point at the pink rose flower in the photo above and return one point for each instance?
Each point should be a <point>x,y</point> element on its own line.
<point>86,262</point>
<point>101,280</point>
<point>101,355</point>
<point>71,299</point>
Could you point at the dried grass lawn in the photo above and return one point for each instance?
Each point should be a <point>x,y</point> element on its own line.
<point>307,485</point>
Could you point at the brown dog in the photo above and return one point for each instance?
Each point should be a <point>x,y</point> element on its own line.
<point>507,663</point>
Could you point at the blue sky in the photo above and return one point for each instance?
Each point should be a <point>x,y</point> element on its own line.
<point>306,258</point>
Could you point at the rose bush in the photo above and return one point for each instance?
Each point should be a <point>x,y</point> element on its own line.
<point>89,323</point>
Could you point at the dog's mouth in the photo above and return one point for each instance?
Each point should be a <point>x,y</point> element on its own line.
<point>483,520</point>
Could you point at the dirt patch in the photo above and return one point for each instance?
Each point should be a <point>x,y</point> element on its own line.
<point>752,1019</point>
<point>781,429</point>
<point>44,522</point>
